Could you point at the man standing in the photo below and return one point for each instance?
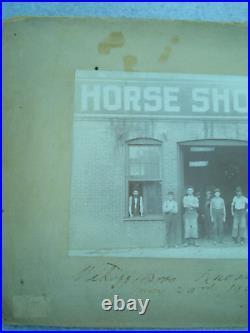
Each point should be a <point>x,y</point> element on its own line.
<point>190,204</point>
<point>218,216</point>
<point>135,204</point>
<point>170,210</point>
<point>207,216</point>
<point>239,210</point>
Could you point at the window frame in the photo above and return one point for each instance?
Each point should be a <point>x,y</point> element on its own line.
<point>142,142</point>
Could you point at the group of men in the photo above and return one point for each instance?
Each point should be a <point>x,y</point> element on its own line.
<point>214,214</point>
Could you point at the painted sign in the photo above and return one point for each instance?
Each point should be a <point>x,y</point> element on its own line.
<point>107,92</point>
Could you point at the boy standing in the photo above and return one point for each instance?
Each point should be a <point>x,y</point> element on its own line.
<point>170,210</point>
<point>239,211</point>
<point>218,216</point>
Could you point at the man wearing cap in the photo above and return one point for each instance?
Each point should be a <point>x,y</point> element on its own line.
<point>190,204</point>
<point>170,210</point>
<point>218,215</point>
<point>239,209</point>
<point>135,204</point>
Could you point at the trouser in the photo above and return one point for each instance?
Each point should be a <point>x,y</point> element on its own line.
<point>190,224</point>
<point>239,224</point>
<point>218,224</point>
<point>208,230</point>
<point>171,229</point>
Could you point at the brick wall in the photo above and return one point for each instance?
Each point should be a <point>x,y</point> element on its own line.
<point>98,189</point>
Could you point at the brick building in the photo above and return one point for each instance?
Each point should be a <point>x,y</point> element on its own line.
<point>156,133</point>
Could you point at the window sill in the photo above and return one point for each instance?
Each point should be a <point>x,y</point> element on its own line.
<point>152,218</point>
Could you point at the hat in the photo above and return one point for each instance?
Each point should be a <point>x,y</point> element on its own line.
<point>217,190</point>
<point>238,189</point>
<point>135,187</point>
<point>170,193</point>
<point>190,188</point>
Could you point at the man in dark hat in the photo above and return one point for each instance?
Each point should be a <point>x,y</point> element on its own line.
<point>170,210</point>
<point>135,204</point>
<point>239,209</point>
<point>218,215</point>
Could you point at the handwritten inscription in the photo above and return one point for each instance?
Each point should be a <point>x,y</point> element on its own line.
<point>115,276</point>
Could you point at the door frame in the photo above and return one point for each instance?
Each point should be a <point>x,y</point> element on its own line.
<point>180,168</point>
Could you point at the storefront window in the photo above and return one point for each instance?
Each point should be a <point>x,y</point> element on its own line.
<point>144,177</point>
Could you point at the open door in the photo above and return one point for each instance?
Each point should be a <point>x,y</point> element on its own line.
<point>208,164</point>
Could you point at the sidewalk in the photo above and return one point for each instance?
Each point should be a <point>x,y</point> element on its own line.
<point>206,250</point>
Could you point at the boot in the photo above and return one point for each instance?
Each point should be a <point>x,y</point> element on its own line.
<point>196,243</point>
<point>235,240</point>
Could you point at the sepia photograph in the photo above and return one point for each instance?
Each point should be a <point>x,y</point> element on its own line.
<point>173,151</point>
<point>125,166</point>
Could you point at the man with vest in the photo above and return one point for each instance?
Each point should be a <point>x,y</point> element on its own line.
<point>135,204</point>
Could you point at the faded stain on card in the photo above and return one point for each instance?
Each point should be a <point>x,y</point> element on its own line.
<point>167,51</point>
<point>165,54</point>
<point>175,39</point>
<point>129,61</point>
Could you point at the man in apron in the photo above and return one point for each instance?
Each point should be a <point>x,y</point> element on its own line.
<point>190,204</point>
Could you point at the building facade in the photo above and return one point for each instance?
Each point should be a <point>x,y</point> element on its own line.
<point>154,133</point>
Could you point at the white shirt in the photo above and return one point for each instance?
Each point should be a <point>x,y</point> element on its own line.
<point>190,201</point>
<point>239,202</point>
<point>217,203</point>
<point>170,206</point>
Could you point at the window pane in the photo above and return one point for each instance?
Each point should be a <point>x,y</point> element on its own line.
<point>152,198</point>
<point>144,162</point>
<point>137,170</point>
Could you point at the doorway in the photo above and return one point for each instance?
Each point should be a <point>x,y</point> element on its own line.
<point>208,164</point>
